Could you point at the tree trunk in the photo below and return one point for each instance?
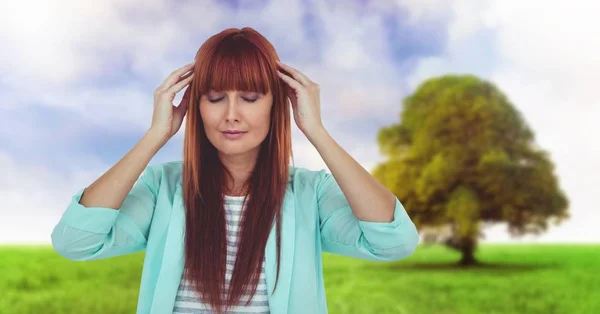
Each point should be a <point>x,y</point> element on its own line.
<point>466,247</point>
<point>468,256</point>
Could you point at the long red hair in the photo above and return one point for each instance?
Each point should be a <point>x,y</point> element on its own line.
<point>244,60</point>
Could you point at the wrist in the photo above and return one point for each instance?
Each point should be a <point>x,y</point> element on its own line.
<point>316,133</point>
<point>155,136</point>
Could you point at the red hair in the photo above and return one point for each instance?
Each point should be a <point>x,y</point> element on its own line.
<point>243,60</point>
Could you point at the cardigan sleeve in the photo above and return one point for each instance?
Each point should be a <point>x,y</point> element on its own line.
<point>343,233</point>
<point>90,233</point>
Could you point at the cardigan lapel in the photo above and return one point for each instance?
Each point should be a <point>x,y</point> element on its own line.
<point>172,265</point>
<point>279,299</point>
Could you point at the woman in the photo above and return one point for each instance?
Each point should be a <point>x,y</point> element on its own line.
<point>233,227</point>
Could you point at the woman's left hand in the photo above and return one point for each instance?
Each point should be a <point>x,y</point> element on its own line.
<point>305,97</point>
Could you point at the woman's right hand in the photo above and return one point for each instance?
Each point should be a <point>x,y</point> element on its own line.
<point>166,118</point>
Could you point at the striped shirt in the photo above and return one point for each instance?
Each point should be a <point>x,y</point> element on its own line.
<point>187,300</point>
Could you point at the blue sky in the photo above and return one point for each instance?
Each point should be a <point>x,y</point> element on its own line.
<point>78,81</point>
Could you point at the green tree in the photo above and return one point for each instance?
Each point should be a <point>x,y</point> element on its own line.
<point>462,156</point>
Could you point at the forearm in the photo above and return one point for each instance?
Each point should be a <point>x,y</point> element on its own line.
<point>111,188</point>
<point>369,199</point>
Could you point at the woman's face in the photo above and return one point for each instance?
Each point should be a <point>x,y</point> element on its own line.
<point>244,111</point>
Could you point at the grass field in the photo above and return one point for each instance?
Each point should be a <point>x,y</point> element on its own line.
<point>530,279</point>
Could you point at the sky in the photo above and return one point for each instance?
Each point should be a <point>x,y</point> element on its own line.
<point>78,77</point>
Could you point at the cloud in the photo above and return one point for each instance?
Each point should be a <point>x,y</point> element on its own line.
<point>32,197</point>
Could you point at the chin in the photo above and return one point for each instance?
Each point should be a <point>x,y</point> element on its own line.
<point>232,148</point>
<point>229,151</point>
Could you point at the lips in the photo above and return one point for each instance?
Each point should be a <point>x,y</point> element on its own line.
<point>232,135</point>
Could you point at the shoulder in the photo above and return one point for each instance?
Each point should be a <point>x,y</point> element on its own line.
<point>304,175</point>
<point>309,179</point>
<point>164,173</point>
<point>170,169</point>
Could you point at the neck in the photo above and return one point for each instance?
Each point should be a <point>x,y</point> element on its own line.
<point>241,167</point>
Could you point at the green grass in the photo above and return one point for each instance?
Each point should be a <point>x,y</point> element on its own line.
<point>512,279</point>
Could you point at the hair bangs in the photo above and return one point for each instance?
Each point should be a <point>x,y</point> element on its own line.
<point>237,64</point>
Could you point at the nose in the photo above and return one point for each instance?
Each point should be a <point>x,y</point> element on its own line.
<point>232,113</point>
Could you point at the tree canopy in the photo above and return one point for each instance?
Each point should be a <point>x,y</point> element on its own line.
<point>462,155</point>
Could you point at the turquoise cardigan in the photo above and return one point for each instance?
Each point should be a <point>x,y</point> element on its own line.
<point>316,218</point>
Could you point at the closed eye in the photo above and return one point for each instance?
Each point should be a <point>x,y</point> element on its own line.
<point>219,99</point>
<point>215,100</point>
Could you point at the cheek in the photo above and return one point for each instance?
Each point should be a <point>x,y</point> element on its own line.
<point>261,120</point>
<point>209,118</point>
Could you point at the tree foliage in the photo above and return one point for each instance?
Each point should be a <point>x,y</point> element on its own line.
<point>463,155</point>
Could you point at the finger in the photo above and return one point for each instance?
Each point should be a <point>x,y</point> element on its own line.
<point>186,95</point>
<point>183,105</point>
<point>175,76</point>
<point>303,79</point>
<point>179,86</point>
<point>185,76</point>
<point>291,82</point>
